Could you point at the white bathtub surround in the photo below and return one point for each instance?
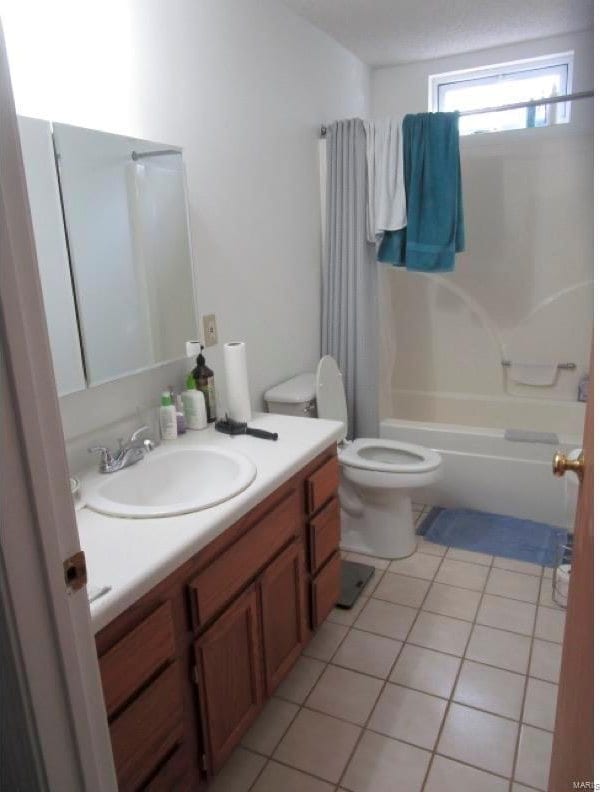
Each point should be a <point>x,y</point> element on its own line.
<point>484,471</point>
<point>133,555</point>
<point>523,288</point>
<point>536,374</point>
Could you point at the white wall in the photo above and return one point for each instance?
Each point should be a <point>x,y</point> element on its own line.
<point>523,286</point>
<point>243,86</point>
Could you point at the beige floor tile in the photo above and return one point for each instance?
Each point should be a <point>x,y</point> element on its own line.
<point>511,565</point>
<point>447,775</point>
<point>513,584</point>
<point>550,624</point>
<point>301,679</point>
<point>367,653</point>
<point>326,640</point>
<point>401,589</point>
<point>378,563</point>
<point>318,744</point>
<point>533,758</point>
<point>462,574</point>
<point>548,572</point>
<point>545,660</point>
<point>347,616</point>
<point>408,715</point>
<point>469,555</point>
<point>345,694</point>
<point>491,689</point>
<point>451,601</point>
<point>540,704</point>
<point>276,778</point>
<point>239,772</point>
<point>430,548</point>
<point>546,595</point>
<point>499,648</point>
<point>385,618</point>
<point>380,764</point>
<point>520,788</point>
<point>478,738</point>
<point>419,565</point>
<point>440,632</point>
<point>506,614</point>
<point>372,583</point>
<point>270,726</point>
<point>426,670</point>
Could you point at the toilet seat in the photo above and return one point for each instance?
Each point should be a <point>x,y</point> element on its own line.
<point>389,456</point>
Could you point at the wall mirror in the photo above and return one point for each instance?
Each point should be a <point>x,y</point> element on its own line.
<point>110,221</point>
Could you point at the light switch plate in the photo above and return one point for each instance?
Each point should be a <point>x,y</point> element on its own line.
<point>209,322</point>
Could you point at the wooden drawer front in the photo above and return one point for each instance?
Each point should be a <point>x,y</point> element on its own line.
<point>131,662</point>
<point>175,774</point>
<point>148,729</point>
<point>231,687</point>
<point>282,599</point>
<point>325,590</point>
<point>322,485</point>
<point>324,534</point>
<point>230,572</point>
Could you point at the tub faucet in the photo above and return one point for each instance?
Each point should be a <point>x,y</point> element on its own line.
<point>128,453</point>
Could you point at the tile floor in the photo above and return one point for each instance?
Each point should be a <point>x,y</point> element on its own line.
<point>442,677</point>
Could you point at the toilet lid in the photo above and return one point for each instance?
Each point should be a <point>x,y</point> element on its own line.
<point>389,456</point>
<point>331,398</point>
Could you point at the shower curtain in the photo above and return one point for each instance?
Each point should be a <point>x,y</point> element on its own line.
<point>349,297</point>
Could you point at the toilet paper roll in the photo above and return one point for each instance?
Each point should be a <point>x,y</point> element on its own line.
<point>236,380</point>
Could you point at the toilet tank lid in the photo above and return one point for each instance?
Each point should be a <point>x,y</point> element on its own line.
<point>298,389</point>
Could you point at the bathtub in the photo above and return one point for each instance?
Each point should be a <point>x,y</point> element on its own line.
<point>482,470</point>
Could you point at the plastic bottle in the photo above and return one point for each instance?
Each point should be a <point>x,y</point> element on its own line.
<point>167,417</point>
<point>205,382</point>
<point>194,405</point>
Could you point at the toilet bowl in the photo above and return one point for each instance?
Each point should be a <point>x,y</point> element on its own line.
<point>377,476</point>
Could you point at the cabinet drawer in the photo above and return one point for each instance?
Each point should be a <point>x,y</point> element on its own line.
<point>325,590</point>
<point>324,534</point>
<point>148,729</point>
<point>174,774</point>
<point>230,572</point>
<point>131,662</point>
<point>322,485</point>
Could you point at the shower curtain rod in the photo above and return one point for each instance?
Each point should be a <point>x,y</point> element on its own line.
<point>517,105</point>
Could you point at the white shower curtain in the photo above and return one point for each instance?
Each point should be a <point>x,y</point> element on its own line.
<point>349,299</point>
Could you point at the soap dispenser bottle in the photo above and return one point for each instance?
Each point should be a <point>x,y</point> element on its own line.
<point>167,417</point>
<point>205,382</point>
<point>194,406</point>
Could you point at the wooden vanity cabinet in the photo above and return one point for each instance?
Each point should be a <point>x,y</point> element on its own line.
<point>187,669</point>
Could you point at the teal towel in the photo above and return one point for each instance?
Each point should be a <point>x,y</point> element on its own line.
<point>435,226</point>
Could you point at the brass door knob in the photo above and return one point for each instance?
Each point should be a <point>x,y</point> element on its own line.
<point>561,463</point>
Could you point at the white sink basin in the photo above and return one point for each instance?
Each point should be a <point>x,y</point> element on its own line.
<point>172,482</point>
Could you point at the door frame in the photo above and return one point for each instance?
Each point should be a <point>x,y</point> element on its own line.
<point>51,637</point>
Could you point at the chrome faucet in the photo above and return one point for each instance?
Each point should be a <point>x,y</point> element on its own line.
<point>128,453</point>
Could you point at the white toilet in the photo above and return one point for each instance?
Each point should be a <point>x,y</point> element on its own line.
<point>378,476</point>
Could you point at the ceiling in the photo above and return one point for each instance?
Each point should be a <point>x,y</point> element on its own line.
<point>385,32</point>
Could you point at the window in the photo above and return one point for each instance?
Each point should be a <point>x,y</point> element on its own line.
<point>505,83</point>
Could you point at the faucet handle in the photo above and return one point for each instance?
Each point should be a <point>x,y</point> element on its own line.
<point>138,432</point>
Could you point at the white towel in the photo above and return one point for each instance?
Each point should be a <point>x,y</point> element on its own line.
<point>537,374</point>
<point>386,199</point>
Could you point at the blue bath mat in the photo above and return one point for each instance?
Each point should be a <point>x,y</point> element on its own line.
<point>495,534</point>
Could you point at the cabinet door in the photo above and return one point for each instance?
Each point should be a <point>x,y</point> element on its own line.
<point>282,597</point>
<point>229,677</point>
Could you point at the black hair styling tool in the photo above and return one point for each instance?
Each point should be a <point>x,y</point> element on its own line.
<point>229,426</point>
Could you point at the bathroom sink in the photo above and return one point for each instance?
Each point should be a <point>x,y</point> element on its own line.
<point>172,482</point>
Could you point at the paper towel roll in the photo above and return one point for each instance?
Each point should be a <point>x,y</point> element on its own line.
<point>236,380</point>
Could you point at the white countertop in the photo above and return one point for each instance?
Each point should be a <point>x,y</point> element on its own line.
<point>134,555</point>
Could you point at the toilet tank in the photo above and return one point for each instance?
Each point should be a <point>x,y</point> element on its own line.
<point>296,396</point>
